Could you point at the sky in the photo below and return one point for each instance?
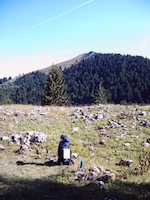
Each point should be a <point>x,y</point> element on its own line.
<point>37,33</point>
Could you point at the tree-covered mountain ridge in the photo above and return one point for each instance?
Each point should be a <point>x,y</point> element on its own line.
<point>125,78</point>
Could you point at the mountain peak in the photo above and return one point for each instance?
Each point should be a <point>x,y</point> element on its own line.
<point>69,63</point>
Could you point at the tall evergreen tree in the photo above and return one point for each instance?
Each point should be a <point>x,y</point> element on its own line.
<point>54,93</point>
<point>101,97</point>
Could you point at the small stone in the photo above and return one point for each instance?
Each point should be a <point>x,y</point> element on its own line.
<point>3,118</point>
<point>75,129</point>
<point>39,137</point>
<point>101,184</point>
<point>74,155</point>
<point>100,116</point>
<point>79,173</point>
<point>145,122</point>
<point>146,144</point>
<point>91,148</point>
<point>23,147</point>
<point>18,113</point>
<point>102,142</point>
<point>43,114</point>
<point>75,178</point>
<point>101,168</point>
<point>95,169</point>
<point>142,113</point>
<point>5,138</point>
<point>91,175</point>
<point>127,144</point>
<point>107,177</point>
<point>148,140</point>
<point>2,147</point>
<point>125,162</point>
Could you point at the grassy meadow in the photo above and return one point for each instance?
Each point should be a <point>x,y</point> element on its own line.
<point>36,180</point>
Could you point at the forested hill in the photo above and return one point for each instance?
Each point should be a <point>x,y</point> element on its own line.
<point>126,79</point>
<point>26,89</point>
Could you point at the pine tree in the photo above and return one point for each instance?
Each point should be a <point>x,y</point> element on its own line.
<point>54,93</point>
<point>101,97</point>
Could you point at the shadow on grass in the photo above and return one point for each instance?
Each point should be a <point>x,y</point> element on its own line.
<point>22,189</point>
<point>37,164</point>
<point>50,164</point>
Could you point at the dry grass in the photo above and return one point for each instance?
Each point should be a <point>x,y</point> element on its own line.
<point>60,120</point>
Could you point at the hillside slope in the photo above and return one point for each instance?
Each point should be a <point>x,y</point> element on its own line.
<point>101,136</point>
<point>125,79</point>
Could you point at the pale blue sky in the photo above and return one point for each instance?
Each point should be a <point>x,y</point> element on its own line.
<point>36,33</point>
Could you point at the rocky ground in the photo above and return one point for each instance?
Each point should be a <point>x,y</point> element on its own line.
<point>112,140</point>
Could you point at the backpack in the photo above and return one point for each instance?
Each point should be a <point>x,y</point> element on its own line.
<point>64,151</point>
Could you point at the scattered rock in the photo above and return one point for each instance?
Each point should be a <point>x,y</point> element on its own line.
<point>145,122</point>
<point>39,137</point>
<point>95,169</point>
<point>80,114</point>
<point>75,129</point>
<point>148,140</point>
<point>115,124</point>
<point>101,128</point>
<point>127,144</point>
<point>142,113</point>
<point>28,138</point>
<point>91,148</point>
<point>16,138</point>
<point>2,118</point>
<point>2,147</point>
<point>101,184</point>
<point>43,114</point>
<point>101,168</point>
<point>125,162</point>
<point>80,175</point>
<point>77,116</point>
<point>102,142</point>
<point>108,159</point>
<point>146,144</point>
<point>91,175</point>
<point>5,138</point>
<point>107,177</point>
<point>23,147</point>
<point>74,155</point>
<point>18,113</point>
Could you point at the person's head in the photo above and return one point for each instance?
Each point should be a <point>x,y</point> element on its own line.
<point>62,137</point>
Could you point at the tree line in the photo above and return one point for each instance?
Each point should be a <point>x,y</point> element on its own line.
<point>111,78</point>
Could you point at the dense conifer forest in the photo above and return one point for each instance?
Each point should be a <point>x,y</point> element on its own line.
<point>125,79</point>
<point>26,89</point>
